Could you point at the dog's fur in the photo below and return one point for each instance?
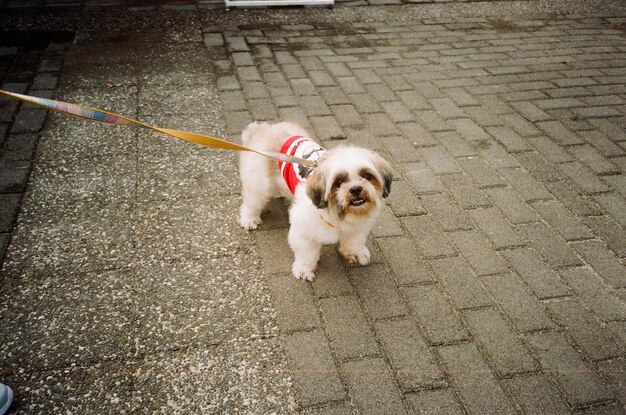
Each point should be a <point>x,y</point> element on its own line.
<point>339,202</point>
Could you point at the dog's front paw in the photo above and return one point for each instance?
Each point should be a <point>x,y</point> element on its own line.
<point>303,272</point>
<point>250,223</point>
<point>361,257</point>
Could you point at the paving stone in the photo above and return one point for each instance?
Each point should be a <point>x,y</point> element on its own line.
<point>477,251</point>
<point>412,362</point>
<point>536,394</point>
<point>614,373</point>
<point>14,176</point>
<point>431,242</point>
<point>477,386</point>
<point>529,188</point>
<point>327,128</point>
<point>9,207</point>
<point>377,290</point>
<point>346,115</point>
<point>397,111</point>
<point>574,199</point>
<point>511,141</point>
<point>262,109</point>
<point>449,216</point>
<point>552,151</point>
<point>371,387</point>
<point>313,367</point>
<point>386,224</point>
<point>549,245</point>
<point>493,224</point>
<point>603,144</point>
<point>570,227</point>
<point>434,314</point>
<point>380,124</point>
<point>273,244</point>
<point>404,261</point>
<point>431,402</point>
<point>611,129</point>
<point>464,192</point>
<point>604,263</point>
<point>524,311</point>
<point>610,232</point>
<point>421,178</point>
<point>417,135</point>
<point>539,167</point>
<point>584,178</point>
<point>413,100</point>
<point>29,121</point>
<point>543,282</point>
<point>587,332</point>
<point>470,130</point>
<point>557,131</point>
<point>454,144</point>
<point>403,201</point>
<point>614,204</point>
<point>575,378</point>
<point>314,105</point>
<point>237,121</point>
<point>593,159</point>
<point>346,326</point>
<point>351,85</point>
<point>481,173</point>
<point>504,349</point>
<point>433,121</point>
<point>331,279</point>
<point>294,304</point>
<point>598,297</point>
<point>364,104</point>
<point>513,207</point>
<point>439,161</point>
<point>400,149</point>
<point>457,280</point>
<point>302,86</point>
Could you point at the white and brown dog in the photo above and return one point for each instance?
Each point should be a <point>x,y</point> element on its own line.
<point>336,201</point>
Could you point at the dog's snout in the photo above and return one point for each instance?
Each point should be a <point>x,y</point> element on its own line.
<point>356,190</point>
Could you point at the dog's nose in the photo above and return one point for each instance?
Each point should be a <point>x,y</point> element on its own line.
<point>356,190</point>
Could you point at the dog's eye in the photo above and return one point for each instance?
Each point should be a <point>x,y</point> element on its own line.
<point>367,177</point>
<point>337,182</point>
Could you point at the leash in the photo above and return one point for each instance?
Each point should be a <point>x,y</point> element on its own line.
<point>95,114</point>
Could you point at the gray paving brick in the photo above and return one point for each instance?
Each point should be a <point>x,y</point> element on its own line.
<point>432,121</point>
<point>272,245</point>
<point>397,111</point>
<point>603,261</point>
<point>536,394</point>
<point>314,105</point>
<point>331,280</point>
<point>28,120</point>
<point>480,172</point>
<point>364,104</point>
<point>511,141</point>
<point>14,176</point>
<point>262,109</point>
<point>529,188</point>
<point>464,192</point>
<point>228,83</point>
<point>431,242</point>
<point>417,135</point>
<point>434,401</point>
<point>314,371</point>
<point>610,232</point>
<point>346,327</point>
<point>421,178</point>
<point>469,130</point>
<point>553,152</point>
<point>497,228</point>
<point>496,155</point>
<point>459,283</point>
<point>617,182</point>
<point>582,326</point>
<point>434,314</point>
<point>530,111</point>
<point>448,214</point>
<point>570,227</point>
<point>346,115</point>
<point>584,178</point>
<point>377,290</point>
<point>294,304</point>
<point>611,129</point>
<point>404,261</point>
<point>549,245</point>
<point>403,200</point>
<point>542,281</point>
<point>471,377</point>
<point>597,296</point>
<point>478,252</point>
<point>386,224</point>
<point>233,100</point>
<point>439,161</point>
<point>351,85</point>
<point>333,95</point>
<point>579,382</point>
<point>454,144</point>
<point>574,199</point>
<point>9,207</point>
<point>513,207</point>
<point>380,124</point>
<point>327,128</point>
<point>603,144</point>
<point>615,205</point>
<point>503,348</point>
<point>539,167</point>
<point>412,362</point>
<point>524,311</point>
<point>520,124</point>
<point>413,100</point>
<point>254,90</point>
<point>371,387</point>
<point>593,159</point>
<point>400,149</point>
<point>294,114</point>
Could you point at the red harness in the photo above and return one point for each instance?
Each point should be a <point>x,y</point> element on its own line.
<point>302,147</point>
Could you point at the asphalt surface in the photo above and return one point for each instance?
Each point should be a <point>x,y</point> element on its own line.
<point>498,282</point>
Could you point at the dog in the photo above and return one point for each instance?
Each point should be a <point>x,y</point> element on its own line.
<point>338,200</point>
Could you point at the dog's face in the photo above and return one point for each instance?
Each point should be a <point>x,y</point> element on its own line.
<point>349,181</point>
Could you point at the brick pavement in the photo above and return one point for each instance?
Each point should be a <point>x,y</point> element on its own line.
<point>498,282</point>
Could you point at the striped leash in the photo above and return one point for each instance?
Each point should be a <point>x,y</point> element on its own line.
<point>111,118</point>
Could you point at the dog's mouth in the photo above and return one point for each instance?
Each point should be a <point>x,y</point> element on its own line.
<point>357,201</point>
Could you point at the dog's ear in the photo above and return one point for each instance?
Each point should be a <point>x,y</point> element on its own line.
<point>316,188</point>
<point>384,168</point>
